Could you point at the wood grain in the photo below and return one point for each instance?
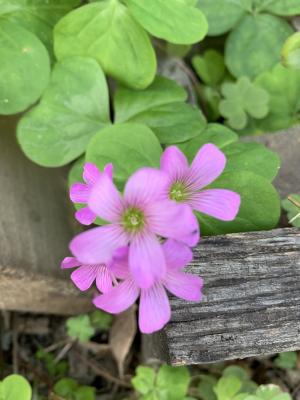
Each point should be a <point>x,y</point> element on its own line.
<point>251,303</point>
<point>35,229</point>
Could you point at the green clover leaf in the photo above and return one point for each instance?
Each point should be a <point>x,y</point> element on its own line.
<point>80,328</point>
<point>241,99</point>
<point>107,32</point>
<point>184,24</point>
<point>210,67</point>
<point>73,109</point>
<point>247,49</point>
<point>24,70</point>
<point>161,106</point>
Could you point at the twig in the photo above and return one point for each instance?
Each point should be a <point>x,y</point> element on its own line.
<point>56,345</point>
<point>15,345</point>
<point>295,202</point>
<point>64,351</point>
<point>101,372</point>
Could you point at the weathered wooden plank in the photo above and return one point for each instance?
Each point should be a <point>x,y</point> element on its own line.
<point>251,303</point>
<point>23,290</point>
<point>35,228</point>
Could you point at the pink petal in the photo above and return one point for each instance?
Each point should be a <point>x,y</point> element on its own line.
<point>219,203</point>
<point>79,193</point>
<point>177,254</point>
<point>97,245</point>
<point>146,260</point>
<point>154,309</point>
<point>145,186</point>
<point>174,163</point>
<point>119,298</point>
<point>119,266</point>
<point>109,170</point>
<point>183,285</point>
<point>91,173</point>
<point>103,279</point>
<point>105,200</point>
<point>83,277</point>
<point>207,165</point>
<point>69,262</point>
<point>85,216</point>
<point>173,220</point>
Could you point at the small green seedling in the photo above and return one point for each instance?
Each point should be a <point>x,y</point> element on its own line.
<point>269,392</point>
<point>54,369</point>
<point>241,100</point>
<point>286,360</point>
<point>69,389</point>
<point>169,383</point>
<point>80,328</point>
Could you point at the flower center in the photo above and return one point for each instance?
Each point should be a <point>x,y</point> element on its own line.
<point>133,219</point>
<point>178,192</point>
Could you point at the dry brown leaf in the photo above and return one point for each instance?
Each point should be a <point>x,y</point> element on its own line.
<point>121,337</point>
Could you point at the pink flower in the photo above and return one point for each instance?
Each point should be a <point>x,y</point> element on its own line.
<point>186,182</point>
<point>136,219</point>
<point>154,307</point>
<point>79,192</point>
<point>85,275</point>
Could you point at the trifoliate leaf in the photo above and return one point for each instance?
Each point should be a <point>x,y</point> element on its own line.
<point>160,107</point>
<point>283,86</point>
<point>80,328</point>
<point>269,392</point>
<point>172,20</point>
<point>37,16</point>
<point>173,381</point>
<point>248,386</point>
<point>107,31</point>
<point>210,67</point>
<point>15,387</point>
<point>290,54</point>
<point>260,204</point>
<point>24,69</point>
<point>293,211</point>
<point>144,380</point>
<point>247,50</point>
<point>222,15</point>
<point>243,98</point>
<point>74,107</point>
<point>287,360</point>
<point>128,146</point>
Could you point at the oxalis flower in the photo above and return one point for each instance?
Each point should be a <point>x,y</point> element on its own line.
<point>85,275</point>
<point>79,192</point>
<point>154,307</point>
<point>139,219</point>
<point>186,182</point>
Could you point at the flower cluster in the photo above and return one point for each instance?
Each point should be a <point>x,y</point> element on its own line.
<point>146,242</point>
